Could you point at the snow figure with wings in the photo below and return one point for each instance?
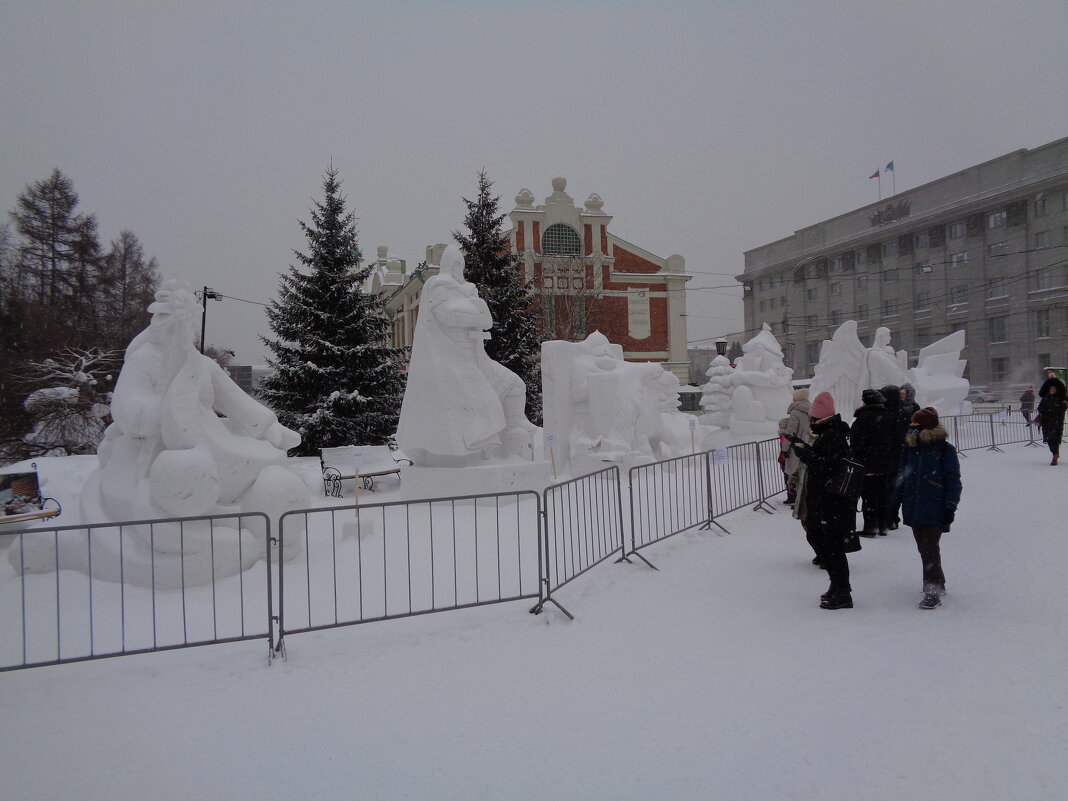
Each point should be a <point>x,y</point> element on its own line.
<point>846,368</point>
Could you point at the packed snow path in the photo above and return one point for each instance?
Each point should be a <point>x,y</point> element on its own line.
<point>718,677</point>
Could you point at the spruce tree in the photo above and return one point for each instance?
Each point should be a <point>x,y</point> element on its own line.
<point>337,381</point>
<point>497,272</point>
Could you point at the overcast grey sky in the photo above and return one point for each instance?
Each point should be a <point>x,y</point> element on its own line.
<point>708,128</point>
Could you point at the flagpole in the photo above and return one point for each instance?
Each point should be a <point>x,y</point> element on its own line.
<point>879,180</point>
<point>893,182</point>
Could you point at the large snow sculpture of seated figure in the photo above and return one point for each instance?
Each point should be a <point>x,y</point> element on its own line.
<point>169,453</point>
<point>460,407</point>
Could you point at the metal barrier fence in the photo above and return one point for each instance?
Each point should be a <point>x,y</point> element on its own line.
<point>382,561</point>
<point>92,591</point>
<point>683,483</point>
<point>973,431</point>
<point>583,526</point>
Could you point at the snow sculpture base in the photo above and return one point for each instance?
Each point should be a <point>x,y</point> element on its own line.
<point>487,478</point>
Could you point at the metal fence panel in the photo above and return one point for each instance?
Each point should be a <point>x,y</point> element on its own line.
<point>381,561</point>
<point>667,498</point>
<point>583,525</point>
<point>102,590</point>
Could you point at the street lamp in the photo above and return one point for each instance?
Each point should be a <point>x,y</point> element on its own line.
<point>208,293</point>
<point>721,346</point>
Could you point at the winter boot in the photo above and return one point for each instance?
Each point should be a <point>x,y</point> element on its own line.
<point>930,601</point>
<point>837,599</point>
<point>1056,458</point>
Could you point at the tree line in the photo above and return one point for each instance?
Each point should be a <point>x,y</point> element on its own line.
<point>63,295</point>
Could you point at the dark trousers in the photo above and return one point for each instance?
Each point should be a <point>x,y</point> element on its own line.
<point>927,539</point>
<point>1026,415</point>
<point>828,547</point>
<point>875,495</point>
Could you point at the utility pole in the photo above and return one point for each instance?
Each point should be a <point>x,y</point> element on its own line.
<point>208,293</point>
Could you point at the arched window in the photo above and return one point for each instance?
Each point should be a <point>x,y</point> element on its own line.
<point>561,240</point>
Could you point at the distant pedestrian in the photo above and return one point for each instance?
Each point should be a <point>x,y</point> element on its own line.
<point>928,487</point>
<point>829,518</point>
<point>1027,404</point>
<point>797,422</point>
<point>899,426</point>
<point>871,439</point>
<point>1051,415</point>
<point>909,406</point>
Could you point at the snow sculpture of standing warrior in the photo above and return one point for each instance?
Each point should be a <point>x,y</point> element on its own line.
<point>460,406</point>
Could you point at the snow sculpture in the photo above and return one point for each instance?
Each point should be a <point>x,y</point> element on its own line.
<point>762,386</point>
<point>846,368</point>
<point>674,435</point>
<point>939,375</point>
<point>716,399</point>
<point>168,453</point>
<point>460,407</point>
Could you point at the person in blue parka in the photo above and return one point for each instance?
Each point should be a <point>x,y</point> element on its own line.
<point>928,489</point>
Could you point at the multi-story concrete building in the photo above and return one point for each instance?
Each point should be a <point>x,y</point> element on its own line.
<point>984,250</point>
<point>587,277</point>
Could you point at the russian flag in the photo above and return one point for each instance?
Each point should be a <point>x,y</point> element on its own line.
<point>873,175</point>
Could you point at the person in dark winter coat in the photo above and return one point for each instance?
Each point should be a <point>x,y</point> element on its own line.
<point>906,407</point>
<point>928,488</point>
<point>1051,414</point>
<point>797,421</point>
<point>829,518</point>
<point>1027,404</point>
<point>872,439</point>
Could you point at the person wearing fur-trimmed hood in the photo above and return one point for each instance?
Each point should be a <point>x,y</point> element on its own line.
<point>929,488</point>
<point>1050,416</point>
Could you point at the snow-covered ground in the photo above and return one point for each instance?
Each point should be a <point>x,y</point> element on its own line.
<point>717,677</point>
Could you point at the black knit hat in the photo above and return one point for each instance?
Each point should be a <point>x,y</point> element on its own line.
<point>870,397</point>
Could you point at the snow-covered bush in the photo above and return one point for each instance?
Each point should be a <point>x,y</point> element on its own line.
<point>70,407</point>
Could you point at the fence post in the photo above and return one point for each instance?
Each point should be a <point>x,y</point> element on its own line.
<point>761,504</point>
<point>279,647</point>
<point>993,438</point>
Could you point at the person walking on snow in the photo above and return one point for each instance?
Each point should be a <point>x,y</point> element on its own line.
<point>829,518</point>
<point>1027,404</point>
<point>928,489</point>
<point>1051,415</point>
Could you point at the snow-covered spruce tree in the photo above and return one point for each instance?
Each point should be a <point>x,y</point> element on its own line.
<point>497,272</point>
<point>336,380</point>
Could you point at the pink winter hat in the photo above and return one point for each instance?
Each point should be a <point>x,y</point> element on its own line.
<point>822,407</point>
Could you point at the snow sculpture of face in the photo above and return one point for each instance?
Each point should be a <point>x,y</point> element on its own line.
<point>882,337</point>
<point>172,312</point>
<point>452,263</point>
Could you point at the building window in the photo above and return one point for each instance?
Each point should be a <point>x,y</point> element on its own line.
<point>771,303</point>
<point>924,267</point>
<point>923,337</point>
<point>1041,239</point>
<point>1040,206</point>
<point>862,311</point>
<point>763,305</point>
<point>998,288</point>
<point>1042,326</point>
<point>862,282</point>
<point>957,230</point>
<point>959,259</point>
<point>812,294</point>
<point>836,317</point>
<point>998,329</point>
<point>836,264</point>
<point>812,352</point>
<point>561,240</point>
<point>889,307</point>
<point>836,288</point>
<point>1044,360</point>
<point>1064,234</point>
<point>958,294</point>
<point>812,321</point>
<point>862,256</point>
<point>996,219</point>
<point>1064,201</point>
<point>923,301</point>
<point>890,275</point>
<point>996,249</point>
<point>923,240</point>
<point>999,369</point>
<point>782,301</point>
<point>889,249</point>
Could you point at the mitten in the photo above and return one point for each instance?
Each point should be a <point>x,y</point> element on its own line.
<point>947,518</point>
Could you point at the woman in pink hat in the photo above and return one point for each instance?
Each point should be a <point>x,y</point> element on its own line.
<point>829,518</point>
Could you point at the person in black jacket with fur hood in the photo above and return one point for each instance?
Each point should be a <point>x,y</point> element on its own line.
<point>1051,415</point>
<point>829,518</point>
<point>929,488</point>
<point>872,439</point>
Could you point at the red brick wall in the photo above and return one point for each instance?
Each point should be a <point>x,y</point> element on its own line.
<point>537,237</point>
<point>587,231</point>
<point>520,237</point>
<point>604,240</point>
<point>631,263</point>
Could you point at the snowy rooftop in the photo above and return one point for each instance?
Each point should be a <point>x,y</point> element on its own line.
<point>717,677</point>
